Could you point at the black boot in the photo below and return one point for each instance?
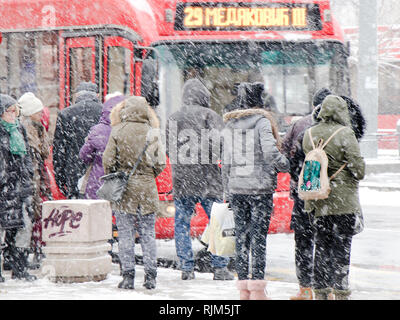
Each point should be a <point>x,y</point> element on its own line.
<point>37,259</point>
<point>128,281</point>
<point>223,274</point>
<point>19,264</point>
<point>150,280</point>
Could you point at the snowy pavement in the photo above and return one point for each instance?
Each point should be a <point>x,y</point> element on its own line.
<point>374,273</point>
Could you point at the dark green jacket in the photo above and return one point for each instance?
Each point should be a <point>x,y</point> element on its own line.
<point>344,197</point>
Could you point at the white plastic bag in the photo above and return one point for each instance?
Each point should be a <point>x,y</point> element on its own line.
<point>220,232</point>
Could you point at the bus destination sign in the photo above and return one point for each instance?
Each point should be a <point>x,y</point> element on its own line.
<point>247,16</point>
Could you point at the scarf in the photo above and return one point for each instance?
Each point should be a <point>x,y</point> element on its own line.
<point>17,143</point>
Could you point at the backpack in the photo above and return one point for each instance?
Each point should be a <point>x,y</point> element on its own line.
<point>313,180</point>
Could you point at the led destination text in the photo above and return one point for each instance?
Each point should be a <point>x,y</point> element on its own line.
<point>197,17</point>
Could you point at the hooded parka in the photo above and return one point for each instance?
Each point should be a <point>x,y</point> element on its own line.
<point>132,123</point>
<point>343,148</point>
<point>96,141</point>
<point>199,174</point>
<point>259,175</point>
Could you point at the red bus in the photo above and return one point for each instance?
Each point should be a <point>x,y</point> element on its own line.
<point>151,47</point>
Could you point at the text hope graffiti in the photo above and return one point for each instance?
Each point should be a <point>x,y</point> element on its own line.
<point>62,217</point>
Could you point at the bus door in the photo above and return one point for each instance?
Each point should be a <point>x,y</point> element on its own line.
<point>118,66</point>
<point>81,64</point>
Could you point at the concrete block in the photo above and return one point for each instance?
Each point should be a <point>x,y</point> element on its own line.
<point>76,233</point>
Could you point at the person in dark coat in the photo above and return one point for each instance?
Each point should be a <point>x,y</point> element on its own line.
<point>16,189</point>
<point>250,180</point>
<point>72,127</point>
<point>301,223</point>
<point>196,179</point>
<point>92,151</point>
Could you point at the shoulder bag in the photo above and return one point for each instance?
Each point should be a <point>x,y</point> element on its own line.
<point>114,184</point>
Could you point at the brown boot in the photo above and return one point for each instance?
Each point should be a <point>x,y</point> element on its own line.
<point>257,290</point>
<point>342,294</point>
<point>303,294</point>
<point>244,292</point>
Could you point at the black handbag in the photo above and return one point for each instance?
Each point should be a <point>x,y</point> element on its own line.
<point>114,184</point>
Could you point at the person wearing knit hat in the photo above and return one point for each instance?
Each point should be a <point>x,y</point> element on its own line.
<point>39,143</point>
<point>15,189</point>
<point>72,127</point>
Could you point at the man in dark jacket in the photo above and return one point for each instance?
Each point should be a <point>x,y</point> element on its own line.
<point>301,222</point>
<point>195,172</point>
<point>72,127</point>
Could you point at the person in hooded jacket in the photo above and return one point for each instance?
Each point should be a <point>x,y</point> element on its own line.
<point>133,124</point>
<point>337,217</point>
<point>195,179</point>
<point>91,152</point>
<point>39,143</point>
<point>301,222</point>
<point>16,189</point>
<point>72,127</point>
<point>250,163</point>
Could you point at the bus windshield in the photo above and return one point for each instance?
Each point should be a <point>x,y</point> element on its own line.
<point>291,72</point>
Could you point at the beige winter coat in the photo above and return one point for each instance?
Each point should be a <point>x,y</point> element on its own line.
<point>133,121</point>
<point>39,144</point>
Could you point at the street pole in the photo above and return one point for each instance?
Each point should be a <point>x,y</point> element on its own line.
<point>368,74</point>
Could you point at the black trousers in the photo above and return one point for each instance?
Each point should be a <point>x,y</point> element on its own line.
<point>302,224</point>
<point>252,215</point>
<point>333,240</point>
<point>16,258</point>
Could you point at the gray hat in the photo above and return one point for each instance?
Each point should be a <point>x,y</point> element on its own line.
<point>320,95</point>
<point>5,102</point>
<point>87,86</point>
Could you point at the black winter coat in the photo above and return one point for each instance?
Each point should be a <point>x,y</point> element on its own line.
<point>72,128</point>
<point>16,183</point>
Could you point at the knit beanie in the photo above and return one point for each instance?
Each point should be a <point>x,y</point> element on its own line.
<point>87,86</point>
<point>250,95</point>
<point>5,102</point>
<point>30,104</point>
<point>320,95</point>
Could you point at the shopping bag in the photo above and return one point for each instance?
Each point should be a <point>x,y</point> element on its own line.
<point>220,232</point>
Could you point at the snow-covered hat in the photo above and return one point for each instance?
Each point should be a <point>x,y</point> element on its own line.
<point>5,102</point>
<point>30,104</point>
<point>87,86</point>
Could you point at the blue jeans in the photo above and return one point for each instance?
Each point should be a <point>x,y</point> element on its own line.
<point>183,243</point>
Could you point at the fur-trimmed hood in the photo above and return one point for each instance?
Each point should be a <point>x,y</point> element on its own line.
<point>135,109</point>
<point>243,113</point>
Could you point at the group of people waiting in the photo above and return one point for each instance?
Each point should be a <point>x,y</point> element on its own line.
<point>93,139</point>
<point>252,154</point>
<point>24,183</point>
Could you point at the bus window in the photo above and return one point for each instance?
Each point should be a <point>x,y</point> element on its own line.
<point>81,66</point>
<point>80,63</point>
<point>3,65</point>
<point>119,70</point>
<point>291,72</point>
<point>29,62</point>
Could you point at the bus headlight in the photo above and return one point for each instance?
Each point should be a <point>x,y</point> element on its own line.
<point>167,209</point>
<point>170,210</point>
